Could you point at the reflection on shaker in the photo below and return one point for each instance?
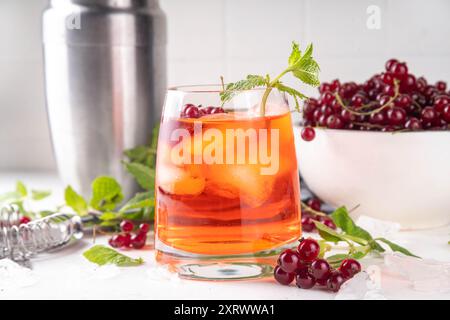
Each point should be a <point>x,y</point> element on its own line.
<point>105,83</point>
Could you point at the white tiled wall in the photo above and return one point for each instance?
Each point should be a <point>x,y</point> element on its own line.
<point>209,38</point>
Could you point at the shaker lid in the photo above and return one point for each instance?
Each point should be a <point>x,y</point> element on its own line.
<point>104,22</point>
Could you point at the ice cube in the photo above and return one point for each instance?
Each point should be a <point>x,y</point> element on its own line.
<point>360,287</point>
<point>244,181</point>
<point>423,274</point>
<point>180,181</point>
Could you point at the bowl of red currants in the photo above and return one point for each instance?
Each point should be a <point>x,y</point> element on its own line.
<point>383,145</point>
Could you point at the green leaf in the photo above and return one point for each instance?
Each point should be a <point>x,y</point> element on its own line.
<point>10,197</point>
<point>327,233</point>
<point>306,68</point>
<point>139,201</point>
<point>336,259</point>
<point>107,216</point>
<point>342,219</point>
<point>396,247</point>
<point>332,235</point>
<point>144,176</point>
<point>106,193</point>
<point>40,194</point>
<point>252,81</point>
<point>21,189</point>
<point>75,201</point>
<point>102,255</point>
<point>295,54</point>
<point>308,72</point>
<point>292,92</point>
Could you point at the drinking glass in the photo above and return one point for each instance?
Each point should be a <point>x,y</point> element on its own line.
<point>227,185</point>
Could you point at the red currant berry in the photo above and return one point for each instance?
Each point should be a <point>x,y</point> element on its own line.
<point>328,222</point>
<point>308,250</point>
<point>217,110</point>
<point>387,78</point>
<point>390,63</point>
<point>117,241</point>
<point>389,90</point>
<point>335,280</point>
<point>349,267</point>
<point>446,114</point>
<point>289,260</point>
<point>403,101</point>
<point>358,100</point>
<point>320,269</point>
<point>377,118</point>
<point>308,133</point>
<point>396,116</point>
<point>441,86</point>
<point>335,85</point>
<point>126,240</point>
<point>428,115</point>
<point>304,280</point>
<point>399,70</point>
<point>126,226</point>
<point>308,224</point>
<point>314,204</point>
<point>413,124</point>
<point>144,227</point>
<point>24,220</point>
<point>192,112</point>
<point>326,99</point>
<point>440,102</point>
<point>283,277</point>
<point>408,84</point>
<point>324,87</point>
<point>347,116</point>
<point>138,240</point>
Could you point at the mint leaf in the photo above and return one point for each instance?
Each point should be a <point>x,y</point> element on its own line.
<point>75,201</point>
<point>102,255</point>
<point>139,201</point>
<point>142,154</point>
<point>336,259</point>
<point>40,194</point>
<point>252,81</point>
<point>295,54</point>
<point>396,247</point>
<point>21,189</point>
<point>327,233</point>
<point>292,92</point>
<point>107,216</point>
<point>144,176</point>
<point>10,197</point>
<point>106,193</point>
<point>342,219</point>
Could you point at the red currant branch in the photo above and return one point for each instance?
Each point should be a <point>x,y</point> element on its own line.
<point>367,113</point>
<point>316,212</point>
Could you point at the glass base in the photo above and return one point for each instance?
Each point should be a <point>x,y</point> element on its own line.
<point>225,271</point>
<point>220,268</point>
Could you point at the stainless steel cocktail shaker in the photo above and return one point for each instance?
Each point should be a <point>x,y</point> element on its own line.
<point>105,69</point>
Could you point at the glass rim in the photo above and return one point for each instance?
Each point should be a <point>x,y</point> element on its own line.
<point>203,88</point>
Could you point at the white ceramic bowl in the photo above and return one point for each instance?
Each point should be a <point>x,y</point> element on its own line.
<point>400,177</point>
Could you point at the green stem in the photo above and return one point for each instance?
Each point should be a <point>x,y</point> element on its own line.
<point>269,89</point>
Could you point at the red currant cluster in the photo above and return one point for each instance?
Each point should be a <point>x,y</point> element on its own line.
<point>308,216</point>
<point>193,111</point>
<point>389,101</point>
<point>24,220</point>
<point>309,270</point>
<point>128,240</point>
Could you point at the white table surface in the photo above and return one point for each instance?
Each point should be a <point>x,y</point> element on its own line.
<point>67,275</point>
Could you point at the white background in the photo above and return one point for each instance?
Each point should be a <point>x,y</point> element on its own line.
<point>209,38</point>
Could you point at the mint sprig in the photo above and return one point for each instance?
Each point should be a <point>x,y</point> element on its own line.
<point>302,66</point>
<point>23,198</point>
<point>359,241</point>
<point>103,255</point>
